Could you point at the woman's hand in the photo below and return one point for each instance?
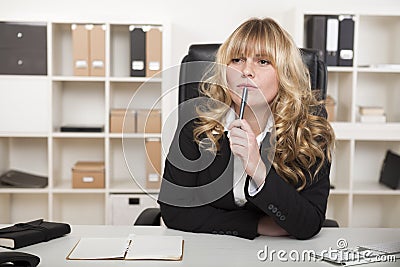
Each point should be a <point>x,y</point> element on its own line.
<point>243,144</point>
<point>267,226</point>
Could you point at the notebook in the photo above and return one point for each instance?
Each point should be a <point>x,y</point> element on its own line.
<point>135,247</point>
<point>29,233</point>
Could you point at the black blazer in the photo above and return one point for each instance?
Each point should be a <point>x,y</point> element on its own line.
<point>301,214</point>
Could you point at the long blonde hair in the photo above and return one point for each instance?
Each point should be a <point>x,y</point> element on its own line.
<point>302,136</point>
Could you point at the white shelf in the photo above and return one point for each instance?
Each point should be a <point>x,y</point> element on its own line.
<point>373,188</point>
<point>38,106</point>
<point>359,199</point>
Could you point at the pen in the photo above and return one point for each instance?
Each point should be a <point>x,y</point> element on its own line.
<point>243,103</point>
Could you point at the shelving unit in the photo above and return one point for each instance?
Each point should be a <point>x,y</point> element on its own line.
<point>358,199</point>
<point>34,107</point>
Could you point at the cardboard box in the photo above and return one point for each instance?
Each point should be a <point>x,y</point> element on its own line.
<point>149,121</point>
<point>153,163</point>
<point>88,174</point>
<point>330,108</point>
<point>117,117</point>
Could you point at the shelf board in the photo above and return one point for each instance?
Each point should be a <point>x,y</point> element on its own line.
<point>127,185</point>
<point>135,79</point>
<point>66,187</point>
<point>367,131</point>
<point>78,135</point>
<point>78,79</point>
<point>24,135</point>
<point>340,69</point>
<point>378,70</point>
<point>135,135</point>
<point>24,190</point>
<point>373,188</point>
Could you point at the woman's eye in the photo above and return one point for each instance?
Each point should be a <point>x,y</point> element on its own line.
<point>236,60</point>
<point>264,62</point>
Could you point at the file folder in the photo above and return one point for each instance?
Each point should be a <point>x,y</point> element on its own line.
<point>153,163</point>
<point>97,50</point>
<point>332,35</point>
<point>153,51</point>
<point>346,40</point>
<point>80,44</point>
<point>316,33</point>
<point>138,52</point>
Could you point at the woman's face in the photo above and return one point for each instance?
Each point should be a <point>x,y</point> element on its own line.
<point>258,75</point>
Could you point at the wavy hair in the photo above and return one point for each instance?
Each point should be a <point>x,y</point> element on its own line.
<point>303,137</point>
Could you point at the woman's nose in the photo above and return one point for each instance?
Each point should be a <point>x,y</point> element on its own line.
<point>248,71</point>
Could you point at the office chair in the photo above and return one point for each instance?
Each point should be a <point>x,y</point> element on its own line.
<point>189,89</point>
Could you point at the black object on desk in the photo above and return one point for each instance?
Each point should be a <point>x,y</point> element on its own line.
<point>24,234</point>
<point>18,259</point>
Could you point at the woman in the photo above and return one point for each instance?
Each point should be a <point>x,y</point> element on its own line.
<point>282,193</point>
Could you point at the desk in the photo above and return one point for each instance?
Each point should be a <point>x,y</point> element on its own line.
<point>212,250</point>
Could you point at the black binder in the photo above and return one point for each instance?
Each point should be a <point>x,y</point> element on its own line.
<point>316,33</point>
<point>138,52</point>
<point>346,40</point>
<point>29,233</point>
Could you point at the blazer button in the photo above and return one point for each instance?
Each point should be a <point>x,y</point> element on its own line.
<point>282,218</point>
<point>274,210</point>
<point>221,232</point>
<point>278,214</point>
<point>214,232</point>
<point>235,233</point>
<point>270,206</point>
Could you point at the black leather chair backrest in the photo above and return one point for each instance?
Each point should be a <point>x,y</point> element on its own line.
<point>190,73</point>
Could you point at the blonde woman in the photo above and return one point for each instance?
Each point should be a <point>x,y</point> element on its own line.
<point>282,193</point>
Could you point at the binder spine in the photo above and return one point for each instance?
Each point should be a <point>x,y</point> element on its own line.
<point>138,52</point>
<point>332,35</point>
<point>346,40</point>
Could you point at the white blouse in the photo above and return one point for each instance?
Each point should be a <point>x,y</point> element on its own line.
<point>239,174</point>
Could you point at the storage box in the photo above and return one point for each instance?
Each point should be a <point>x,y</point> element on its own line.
<point>330,108</point>
<point>148,121</point>
<point>88,174</point>
<point>153,163</point>
<point>125,208</point>
<point>117,117</point>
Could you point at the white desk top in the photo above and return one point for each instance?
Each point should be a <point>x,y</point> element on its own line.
<point>213,250</point>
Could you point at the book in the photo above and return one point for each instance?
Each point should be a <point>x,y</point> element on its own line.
<point>373,118</point>
<point>135,247</point>
<point>24,234</point>
<point>371,110</point>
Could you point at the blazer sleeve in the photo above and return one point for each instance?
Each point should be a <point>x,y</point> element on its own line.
<point>302,213</point>
<point>207,218</point>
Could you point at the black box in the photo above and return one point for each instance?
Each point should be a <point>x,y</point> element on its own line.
<point>23,48</point>
<point>390,173</point>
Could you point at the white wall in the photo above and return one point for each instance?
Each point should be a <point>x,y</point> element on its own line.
<point>201,21</point>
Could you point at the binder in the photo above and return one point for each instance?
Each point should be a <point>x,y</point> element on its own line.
<point>346,40</point>
<point>97,50</point>
<point>316,33</point>
<point>29,233</point>
<point>19,179</point>
<point>153,51</point>
<point>153,163</point>
<point>332,35</point>
<point>138,52</point>
<point>80,44</point>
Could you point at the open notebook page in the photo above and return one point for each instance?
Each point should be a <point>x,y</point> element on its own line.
<point>155,247</point>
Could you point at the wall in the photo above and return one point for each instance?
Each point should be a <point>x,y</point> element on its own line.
<point>191,21</point>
